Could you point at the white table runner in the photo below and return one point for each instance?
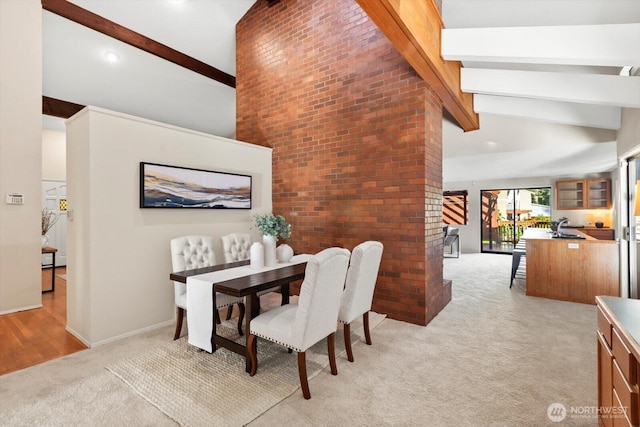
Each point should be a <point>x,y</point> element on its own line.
<point>200,295</point>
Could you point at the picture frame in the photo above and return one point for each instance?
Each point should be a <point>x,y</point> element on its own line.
<point>165,186</point>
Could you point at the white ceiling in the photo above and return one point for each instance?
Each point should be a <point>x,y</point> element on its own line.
<point>75,70</point>
<point>519,135</point>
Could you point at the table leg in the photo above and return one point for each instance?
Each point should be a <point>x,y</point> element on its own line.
<point>53,271</point>
<point>213,329</point>
<point>284,291</point>
<point>251,301</point>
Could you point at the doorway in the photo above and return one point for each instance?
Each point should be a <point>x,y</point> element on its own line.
<point>507,212</point>
<point>630,236</point>
<point>54,199</point>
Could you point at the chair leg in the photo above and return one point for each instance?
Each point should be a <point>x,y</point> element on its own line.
<point>179,317</point>
<point>302,372</point>
<point>229,312</point>
<point>347,341</point>
<point>331,349</point>
<point>365,321</point>
<point>252,349</point>
<point>217,316</point>
<point>240,317</point>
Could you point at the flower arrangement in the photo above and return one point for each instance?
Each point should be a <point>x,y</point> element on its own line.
<point>49,219</point>
<point>273,225</point>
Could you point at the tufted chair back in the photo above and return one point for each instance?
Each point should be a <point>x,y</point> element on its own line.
<point>187,253</point>
<point>236,247</point>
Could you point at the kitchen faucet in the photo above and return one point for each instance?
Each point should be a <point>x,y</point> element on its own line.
<point>558,231</point>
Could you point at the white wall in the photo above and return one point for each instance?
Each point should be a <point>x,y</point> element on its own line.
<point>54,158</point>
<point>118,254</point>
<point>20,153</point>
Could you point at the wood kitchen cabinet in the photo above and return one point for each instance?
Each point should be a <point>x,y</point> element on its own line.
<point>584,194</point>
<point>618,361</point>
<point>598,193</point>
<point>600,233</point>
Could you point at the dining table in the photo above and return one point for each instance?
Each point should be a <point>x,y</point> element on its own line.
<point>236,279</point>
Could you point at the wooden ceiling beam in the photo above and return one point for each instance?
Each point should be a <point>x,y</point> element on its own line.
<point>59,108</point>
<point>414,27</point>
<point>98,23</point>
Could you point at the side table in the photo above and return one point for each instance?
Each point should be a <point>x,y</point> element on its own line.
<point>52,251</point>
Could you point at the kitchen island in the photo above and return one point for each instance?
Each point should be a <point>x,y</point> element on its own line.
<point>571,269</point>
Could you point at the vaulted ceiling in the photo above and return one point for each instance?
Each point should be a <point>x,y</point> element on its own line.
<point>548,81</point>
<point>549,90</point>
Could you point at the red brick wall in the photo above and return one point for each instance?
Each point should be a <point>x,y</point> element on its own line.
<point>356,138</point>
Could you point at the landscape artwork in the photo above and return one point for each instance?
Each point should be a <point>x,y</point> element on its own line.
<point>165,186</point>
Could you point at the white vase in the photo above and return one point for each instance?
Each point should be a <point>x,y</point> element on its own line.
<point>45,240</point>
<point>284,253</point>
<point>269,250</point>
<point>257,256</point>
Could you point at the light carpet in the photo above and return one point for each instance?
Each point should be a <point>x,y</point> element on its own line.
<point>196,388</point>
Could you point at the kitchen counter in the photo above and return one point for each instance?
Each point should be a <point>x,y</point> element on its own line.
<point>570,269</point>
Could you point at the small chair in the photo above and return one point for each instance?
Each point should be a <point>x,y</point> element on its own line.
<point>299,326</point>
<point>358,293</point>
<point>187,253</point>
<point>237,247</point>
<point>452,239</point>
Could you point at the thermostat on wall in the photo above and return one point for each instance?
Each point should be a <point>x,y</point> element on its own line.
<point>15,199</point>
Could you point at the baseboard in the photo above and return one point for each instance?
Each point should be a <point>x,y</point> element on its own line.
<point>78,336</point>
<point>119,337</point>
<point>15,310</point>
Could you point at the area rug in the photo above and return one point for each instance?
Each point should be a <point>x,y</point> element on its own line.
<point>196,388</point>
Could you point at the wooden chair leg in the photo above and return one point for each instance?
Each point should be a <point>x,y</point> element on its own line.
<point>365,320</point>
<point>179,317</point>
<point>347,341</point>
<point>229,312</point>
<point>331,349</point>
<point>252,349</point>
<point>302,372</point>
<point>217,316</point>
<point>240,317</point>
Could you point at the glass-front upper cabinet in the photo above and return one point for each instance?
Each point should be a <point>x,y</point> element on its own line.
<point>599,194</point>
<point>584,194</point>
<point>570,194</point>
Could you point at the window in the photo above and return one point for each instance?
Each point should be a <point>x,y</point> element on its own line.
<point>454,207</point>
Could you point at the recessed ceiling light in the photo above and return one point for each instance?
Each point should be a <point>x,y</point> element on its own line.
<point>112,57</point>
<point>492,143</point>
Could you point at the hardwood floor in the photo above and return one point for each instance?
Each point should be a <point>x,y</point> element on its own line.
<point>35,336</point>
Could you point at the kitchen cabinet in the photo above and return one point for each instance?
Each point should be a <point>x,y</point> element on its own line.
<point>618,361</point>
<point>583,194</point>
<point>600,233</point>
<point>598,194</point>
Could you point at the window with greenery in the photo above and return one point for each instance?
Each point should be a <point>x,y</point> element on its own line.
<point>455,210</point>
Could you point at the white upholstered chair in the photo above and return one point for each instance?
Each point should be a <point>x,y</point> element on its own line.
<point>314,317</point>
<point>358,292</point>
<point>237,247</point>
<point>187,253</point>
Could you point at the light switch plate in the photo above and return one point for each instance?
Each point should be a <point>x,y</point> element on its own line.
<point>15,199</point>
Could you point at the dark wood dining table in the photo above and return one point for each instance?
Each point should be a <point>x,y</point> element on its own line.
<point>247,287</point>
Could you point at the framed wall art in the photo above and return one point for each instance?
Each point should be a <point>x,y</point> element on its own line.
<point>164,186</point>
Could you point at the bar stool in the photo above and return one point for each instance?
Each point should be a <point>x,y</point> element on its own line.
<point>519,252</point>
